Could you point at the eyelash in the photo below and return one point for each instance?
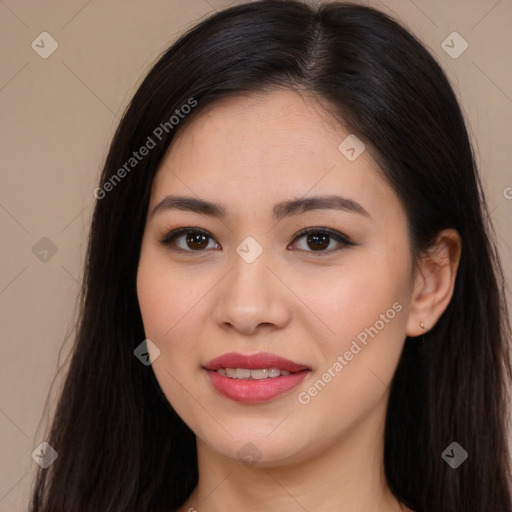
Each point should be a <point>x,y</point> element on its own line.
<point>324,230</point>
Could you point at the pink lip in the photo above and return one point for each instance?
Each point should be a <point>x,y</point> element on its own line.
<point>253,362</point>
<point>254,391</point>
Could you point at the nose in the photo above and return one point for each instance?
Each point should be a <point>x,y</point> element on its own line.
<point>253,298</point>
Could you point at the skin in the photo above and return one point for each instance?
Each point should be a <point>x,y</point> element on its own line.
<point>248,153</point>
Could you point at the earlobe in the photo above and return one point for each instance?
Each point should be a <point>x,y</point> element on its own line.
<point>434,283</point>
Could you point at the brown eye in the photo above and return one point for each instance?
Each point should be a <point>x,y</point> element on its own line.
<point>192,240</point>
<point>196,241</point>
<point>317,240</point>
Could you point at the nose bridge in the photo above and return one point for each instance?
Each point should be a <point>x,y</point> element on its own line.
<point>250,273</point>
<point>252,295</point>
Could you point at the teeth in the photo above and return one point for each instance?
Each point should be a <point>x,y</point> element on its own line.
<point>244,373</point>
<point>259,374</point>
<point>274,372</point>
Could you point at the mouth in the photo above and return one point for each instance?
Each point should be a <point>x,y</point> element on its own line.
<point>257,374</point>
<point>254,378</point>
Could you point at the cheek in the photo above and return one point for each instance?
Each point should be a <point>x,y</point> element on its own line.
<point>366,307</point>
<point>157,301</point>
<point>172,304</point>
<point>166,303</point>
<point>354,300</point>
<point>358,362</point>
<point>166,296</point>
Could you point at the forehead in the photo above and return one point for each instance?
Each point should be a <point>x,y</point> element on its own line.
<point>278,120</point>
<point>263,148</point>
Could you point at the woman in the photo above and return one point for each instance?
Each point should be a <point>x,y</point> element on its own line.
<point>292,297</point>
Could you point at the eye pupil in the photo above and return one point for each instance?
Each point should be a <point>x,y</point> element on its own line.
<point>324,240</point>
<point>192,240</point>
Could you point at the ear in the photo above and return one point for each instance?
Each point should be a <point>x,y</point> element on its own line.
<point>434,282</point>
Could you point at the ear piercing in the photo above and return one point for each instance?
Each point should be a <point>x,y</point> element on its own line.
<point>422,325</point>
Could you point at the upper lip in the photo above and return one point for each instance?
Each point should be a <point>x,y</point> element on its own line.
<point>254,362</point>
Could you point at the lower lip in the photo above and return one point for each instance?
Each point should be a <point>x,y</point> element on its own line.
<point>255,391</point>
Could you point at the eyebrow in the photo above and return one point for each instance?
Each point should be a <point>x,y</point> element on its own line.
<point>280,210</point>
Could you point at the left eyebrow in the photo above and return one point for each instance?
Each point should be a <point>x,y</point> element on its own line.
<point>280,210</point>
<point>332,202</point>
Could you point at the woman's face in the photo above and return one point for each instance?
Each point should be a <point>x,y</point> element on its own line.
<point>338,308</point>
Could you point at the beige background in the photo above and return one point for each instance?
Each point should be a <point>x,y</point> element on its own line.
<point>58,115</point>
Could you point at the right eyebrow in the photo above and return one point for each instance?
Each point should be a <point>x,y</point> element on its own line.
<point>280,210</point>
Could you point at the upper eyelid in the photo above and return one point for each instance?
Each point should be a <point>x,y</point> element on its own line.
<point>301,232</point>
